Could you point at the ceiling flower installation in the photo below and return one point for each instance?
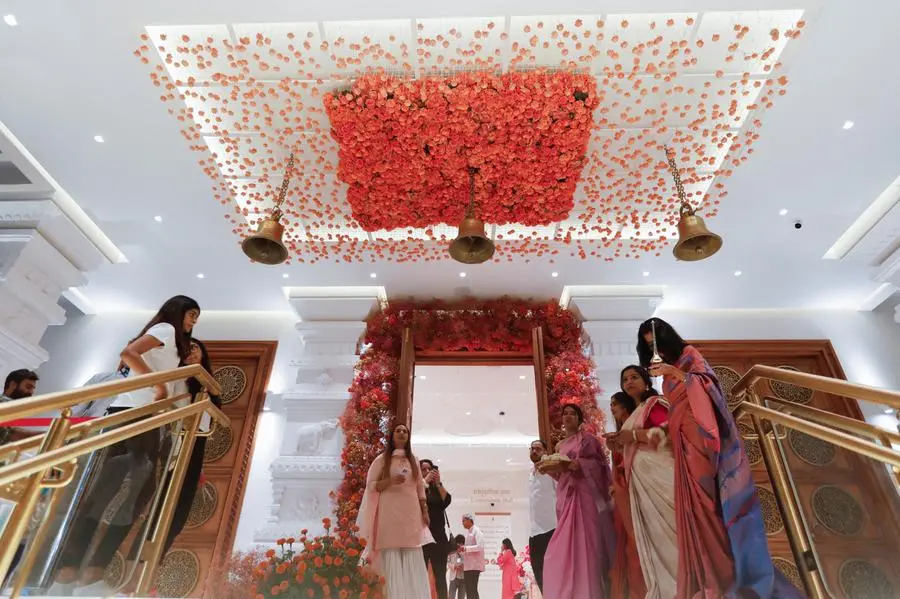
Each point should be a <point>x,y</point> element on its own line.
<point>406,146</point>
<point>566,118</point>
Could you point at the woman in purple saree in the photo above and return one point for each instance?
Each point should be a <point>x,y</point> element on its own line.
<point>722,547</point>
<point>580,554</point>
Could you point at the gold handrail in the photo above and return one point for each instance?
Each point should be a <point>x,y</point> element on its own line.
<point>816,382</point>
<point>835,429</point>
<point>22,408</point>
<point>839,438</point>
<point>110,421</point>
<point>850,425</point>
<point>54,455</point>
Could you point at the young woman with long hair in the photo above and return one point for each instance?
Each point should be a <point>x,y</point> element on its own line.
<point>722,546</point>
<point>393,518</point>
<point>125,484</point>
<point>648,466</point>
<point>626,578</point>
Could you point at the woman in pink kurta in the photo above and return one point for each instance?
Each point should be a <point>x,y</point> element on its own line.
<point>580,554</point>
<point>393,519</point>
<point>510,584</point>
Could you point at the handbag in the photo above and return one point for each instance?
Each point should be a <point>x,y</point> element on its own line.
<point>450,547</point>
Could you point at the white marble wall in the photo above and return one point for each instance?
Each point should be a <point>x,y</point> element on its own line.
<point>308,467</point>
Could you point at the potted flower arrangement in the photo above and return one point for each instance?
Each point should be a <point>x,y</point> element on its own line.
<point>320,567</point>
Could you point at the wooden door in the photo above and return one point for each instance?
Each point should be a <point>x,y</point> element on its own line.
<point>849,502</point>
<point>540,383</point>
<point>242,369</point>
<point>407,379</point>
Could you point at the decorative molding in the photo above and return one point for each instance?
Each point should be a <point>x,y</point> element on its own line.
<point>349,303</point>
<point>307,467</point>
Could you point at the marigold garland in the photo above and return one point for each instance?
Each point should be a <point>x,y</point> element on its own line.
<point>496,325</point>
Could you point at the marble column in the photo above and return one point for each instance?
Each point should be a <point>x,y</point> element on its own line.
<point>612,315</point>
<point>47,244</point>
<point>308,468</point>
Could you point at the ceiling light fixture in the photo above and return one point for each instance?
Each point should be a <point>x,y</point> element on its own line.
<point>646,273</point>
<point>782,212</point>
<point>10,20</point>
<point>285,275</point>
<point>266,245</point>
<point>373,275</point>
<point>737,273</point>
<point>695,241</point>
<point>521,377</point>
<point>422,377</point>
<point>468,413</point>
<point>200,275</point>
<point>157,219</point>
<point>847,125</point>
<point>99,139</point>
<point>462,275</point>
<point>554,274</point>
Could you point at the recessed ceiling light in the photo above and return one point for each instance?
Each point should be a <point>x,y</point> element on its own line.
<point>462,275</point>
<point>554,274</point>
<point>10,20</point>
<point>284,275</point>
<point>646,273</point>
<point>737,273</point>
<point>508,460</point>
<point>848,125</point>
<point>157,219</point>
<point>468,413</point>
<point>99,139</point>
<point>889,411</point>
<point>422,377</point>
<point>199,275</point>
<point>373,275</point>
<point>782,212</point>
<point>521,377</point>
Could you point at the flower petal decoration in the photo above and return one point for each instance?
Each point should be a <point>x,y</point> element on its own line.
<point>405,146</point>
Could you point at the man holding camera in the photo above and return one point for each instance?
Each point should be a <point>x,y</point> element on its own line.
<point>437,498</point>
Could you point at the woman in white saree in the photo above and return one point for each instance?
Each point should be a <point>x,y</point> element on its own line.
<point>650,473</point>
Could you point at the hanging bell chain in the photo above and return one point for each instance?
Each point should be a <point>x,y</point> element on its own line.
<point>282,191</point>
<point>679,187</point>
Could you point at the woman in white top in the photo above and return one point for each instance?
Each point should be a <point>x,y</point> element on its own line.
<point>163,344</point>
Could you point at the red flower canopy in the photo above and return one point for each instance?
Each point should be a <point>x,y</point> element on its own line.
<point>406,146</point>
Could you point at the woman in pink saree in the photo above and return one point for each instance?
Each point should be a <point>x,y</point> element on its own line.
<point>510,584</point>
<point>580,554</point>
<point>722,547</point>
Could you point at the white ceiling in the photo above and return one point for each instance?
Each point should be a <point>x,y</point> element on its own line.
<point>456,416</point>
<point>69,73</point>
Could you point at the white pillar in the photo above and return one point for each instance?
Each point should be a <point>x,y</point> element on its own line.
<point>612,315</point>
<point>308,468</point>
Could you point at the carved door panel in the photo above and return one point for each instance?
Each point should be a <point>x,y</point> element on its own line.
<point>242,369</point>
<point>540,383</point>
<point>407,379</point>
<point>849,502</point>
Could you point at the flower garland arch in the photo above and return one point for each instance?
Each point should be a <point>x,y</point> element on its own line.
<point>503,324</point>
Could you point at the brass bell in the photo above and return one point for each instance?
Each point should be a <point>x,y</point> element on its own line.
<point>471,245</point>
<point>265,246</point>
<point>695,241</point>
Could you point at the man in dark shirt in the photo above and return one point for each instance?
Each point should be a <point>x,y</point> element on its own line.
<point>438,499</point>
<point>19,385</point>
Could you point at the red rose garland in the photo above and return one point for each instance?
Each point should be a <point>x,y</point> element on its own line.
<point>493,325</point>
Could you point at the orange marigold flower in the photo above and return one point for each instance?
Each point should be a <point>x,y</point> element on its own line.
<point>270,553</point>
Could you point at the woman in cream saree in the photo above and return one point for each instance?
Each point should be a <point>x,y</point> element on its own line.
<point>649,470</point>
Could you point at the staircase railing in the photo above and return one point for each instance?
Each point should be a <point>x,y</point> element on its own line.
<point>47,463</point>
<point>769,414</point>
